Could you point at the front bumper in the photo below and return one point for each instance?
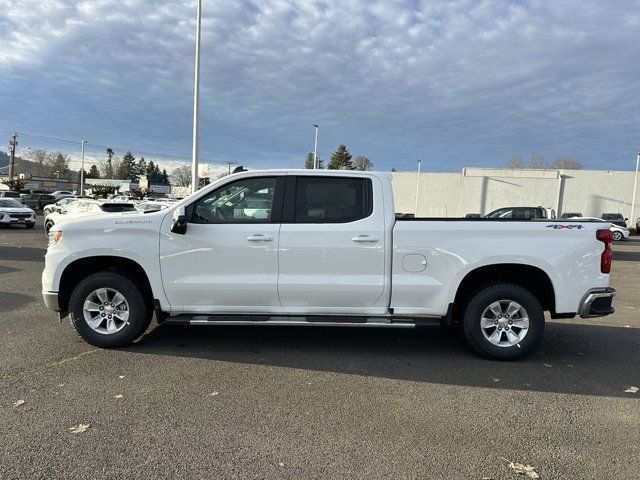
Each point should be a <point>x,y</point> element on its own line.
<point>51,301</point>
<point>7,220</point>
<point>597,303</point>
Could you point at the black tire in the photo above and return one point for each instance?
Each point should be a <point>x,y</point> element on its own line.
<point>475,307</point>
<point>47,227</point>
<point>617,236</point>
<point>29,225</point>
<point>140,309</point>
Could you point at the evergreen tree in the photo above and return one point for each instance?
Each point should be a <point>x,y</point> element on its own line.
<point>93,172</point>
<point>164,176</point>
<point>60,164</point>
<point>141,168</point>
<point>127,167</point>
<point>108,171</point>
<point>340,159</point>
<point>151,171</point>
<point>308,163</point>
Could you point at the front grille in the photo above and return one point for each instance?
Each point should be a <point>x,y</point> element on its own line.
<point>19,215</point>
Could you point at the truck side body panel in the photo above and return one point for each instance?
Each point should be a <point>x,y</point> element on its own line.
<point>431,258</point>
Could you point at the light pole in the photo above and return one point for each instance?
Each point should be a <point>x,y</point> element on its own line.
<point>316,164</point>
<point>196,95</point>
<point>13,143</point>
<point>415,211</point>
<point>635,186</point>
<point>82,170</point>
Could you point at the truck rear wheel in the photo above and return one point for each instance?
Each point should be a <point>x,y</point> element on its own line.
<point>108,309</point>
<point>503,322</point>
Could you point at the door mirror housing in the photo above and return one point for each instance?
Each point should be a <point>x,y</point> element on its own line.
<point>179,224</point>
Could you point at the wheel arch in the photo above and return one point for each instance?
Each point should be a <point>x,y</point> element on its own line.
<point>83,267</point>
<point>530,277</point>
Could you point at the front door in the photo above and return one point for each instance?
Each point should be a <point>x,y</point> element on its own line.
<point>227,261</point>
<point>332,246</point>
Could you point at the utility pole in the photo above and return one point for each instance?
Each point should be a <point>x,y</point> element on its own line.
<point>316,164</point>
<point>633,197</point>
<point>415,211</point>
<point>196,95</point>
<point>82,171</point>
<point>229,163</point>
<point>13,143</point>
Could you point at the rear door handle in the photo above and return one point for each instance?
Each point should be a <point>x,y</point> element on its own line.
<point>364,239</point>
<point>259,238</point>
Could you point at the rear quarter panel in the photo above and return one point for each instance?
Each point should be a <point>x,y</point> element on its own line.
<point>452,249</point>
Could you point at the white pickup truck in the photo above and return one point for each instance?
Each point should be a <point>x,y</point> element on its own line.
<point>323,248</point>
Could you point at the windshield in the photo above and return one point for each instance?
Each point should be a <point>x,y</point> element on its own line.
<point>118,207</point>
<point>10,203</point>
<point>612,216</point>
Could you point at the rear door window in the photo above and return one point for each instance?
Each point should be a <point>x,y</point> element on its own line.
<point>332,200</point>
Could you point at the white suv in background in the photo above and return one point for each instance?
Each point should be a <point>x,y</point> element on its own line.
<point>13,212</point>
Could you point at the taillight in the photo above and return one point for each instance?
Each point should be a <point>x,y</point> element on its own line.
<point>605,236</point>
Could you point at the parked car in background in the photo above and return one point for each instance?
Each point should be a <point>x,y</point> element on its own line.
<point>638,226</point>
<point>151,206</point>
<point>62,193</point>
<point>38,201</point>
<point>473,215</point>
<point>522,213</point>
<point>617,232</point>
<point>615,218</point>
<point>9,194</point>
<point>84,208</point>
<point>12,212</point>
<point>125,198</point>
<point>570,215</point>
<point>59,205</point>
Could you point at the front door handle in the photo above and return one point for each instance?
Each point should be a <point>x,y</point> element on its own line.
<point>364,239</point>
<point>258,237</point>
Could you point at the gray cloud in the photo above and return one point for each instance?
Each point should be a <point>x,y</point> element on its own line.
<point>451,83</point>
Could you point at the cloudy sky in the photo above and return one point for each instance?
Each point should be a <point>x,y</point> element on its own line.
<point>452,83</point>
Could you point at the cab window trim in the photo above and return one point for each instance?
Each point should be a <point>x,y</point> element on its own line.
<point>290,199</point>
<point>276,206</point>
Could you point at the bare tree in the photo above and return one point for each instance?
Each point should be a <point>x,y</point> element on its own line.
<point>39,157</point>
<point>181,177</point>
<point>567,163</point>
<point>515,162</point>
<point>362,163</point>
<point>537,161</point>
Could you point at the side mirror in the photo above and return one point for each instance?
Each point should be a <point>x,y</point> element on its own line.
<point>179,224</point>
<point>626,219</point>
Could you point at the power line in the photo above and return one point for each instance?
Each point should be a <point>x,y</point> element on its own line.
<point>95,145</point>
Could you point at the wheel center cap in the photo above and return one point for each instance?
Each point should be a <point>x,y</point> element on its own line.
<point>503,322</point>
<point>109,310</point>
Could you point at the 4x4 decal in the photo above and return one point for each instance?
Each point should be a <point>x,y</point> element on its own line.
<point>559,226</point>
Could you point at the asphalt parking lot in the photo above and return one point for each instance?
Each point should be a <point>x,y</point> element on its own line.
<point>241,402</point>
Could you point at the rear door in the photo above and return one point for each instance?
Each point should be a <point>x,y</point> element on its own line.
<point>332,245</point>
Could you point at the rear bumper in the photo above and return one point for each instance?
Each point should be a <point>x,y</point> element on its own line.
<point>597,303</point>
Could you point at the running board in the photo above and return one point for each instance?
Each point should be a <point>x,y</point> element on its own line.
<point>306,321</point>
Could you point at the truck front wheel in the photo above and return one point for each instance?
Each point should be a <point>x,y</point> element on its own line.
<point>503,322</point>
<point>108,309</point>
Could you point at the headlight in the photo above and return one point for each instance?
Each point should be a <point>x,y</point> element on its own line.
<point>55,237</point>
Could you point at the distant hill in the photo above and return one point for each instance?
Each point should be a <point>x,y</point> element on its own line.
<point>25,166</point>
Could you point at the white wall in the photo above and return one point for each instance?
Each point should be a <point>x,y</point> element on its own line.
<point>480,190</point>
